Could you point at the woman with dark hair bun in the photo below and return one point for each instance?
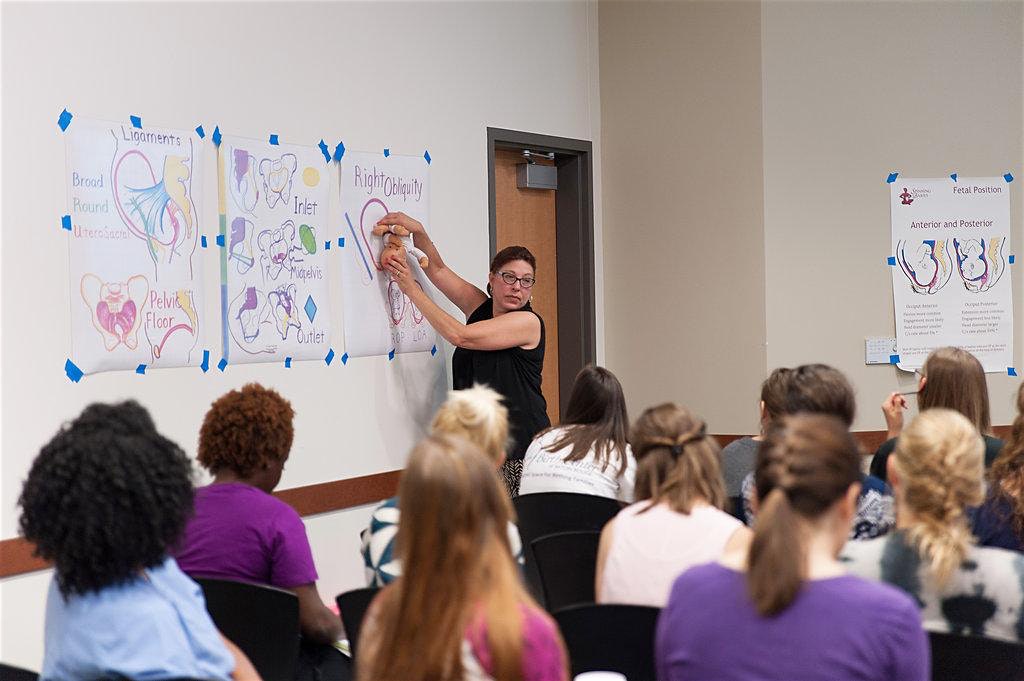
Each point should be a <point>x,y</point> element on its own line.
<point>104,500</point>
<point>501,343</point>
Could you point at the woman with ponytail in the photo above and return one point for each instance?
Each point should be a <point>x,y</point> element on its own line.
<point>1000,520</point>
<point>784,608</point>
<point>459,611</point>
<point>677,521</point>
<point>936,472</point>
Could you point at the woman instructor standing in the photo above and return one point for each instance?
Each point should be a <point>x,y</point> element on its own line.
<point>501,344</point>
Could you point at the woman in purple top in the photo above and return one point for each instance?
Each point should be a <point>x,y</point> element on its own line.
<point>786,596</point>
<point>240,531</point>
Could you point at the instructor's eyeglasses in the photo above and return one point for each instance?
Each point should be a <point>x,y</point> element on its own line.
<point>510,279</point>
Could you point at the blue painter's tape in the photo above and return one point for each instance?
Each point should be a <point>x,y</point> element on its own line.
<point>64,120</point>
<point>344,358</point>
<point>220,240</point>
<point>433,351</point>
<point>1010,371</point>
<point>202,241</point>
<point>222,364</point>
<point>426,156</point>
<point>891,260</point>
<point>391,355</point>
<point>1008,177</point>
<point>341,242</point>
<point>894,359</point>
<point>330,356</point>
<point>287,362</point>
<point>339,151</point>
<point>327,245</point>
<point>200,132</point>
<point>1012,258</point>
<point>141,369</point>
<point>892,178</point>
<point>387,152</point>
<point>325,151</point>
<point>273,140</point>
<point>73,372</point>
<point>953,177</point>
<point>136,121</point>
<point>216,136</point>
<point>65,222</point>
<point>205,366</point>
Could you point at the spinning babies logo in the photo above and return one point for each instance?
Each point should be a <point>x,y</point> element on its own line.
<point>907,197</point>
<point>913,194</point>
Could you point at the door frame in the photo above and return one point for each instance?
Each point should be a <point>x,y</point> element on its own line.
<point>574,239</point>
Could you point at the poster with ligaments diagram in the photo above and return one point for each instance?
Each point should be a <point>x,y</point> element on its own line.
<point>273,219</point>
<point>135,276</point>
<point>380,318</point>
<point>951,276</point>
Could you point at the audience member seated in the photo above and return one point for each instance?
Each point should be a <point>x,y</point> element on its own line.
<point>475,414</point>
<point>678,521</point>
<point>820,389</point>
<point>588,453</point>
<point>104,500</point>
<point>739,455</point>
<point>459,610</point>
<point>999,522</point>
<point>240,530</point>
<point>951,378</point>
<point>937,472</point>
<point>784,609</point>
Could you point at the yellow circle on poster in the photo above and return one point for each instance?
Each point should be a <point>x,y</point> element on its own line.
<point>311,176</point>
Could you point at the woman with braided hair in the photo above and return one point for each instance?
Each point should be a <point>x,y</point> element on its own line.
<point>936,472</point>
<point>677,521</point>
<point>784,608</point>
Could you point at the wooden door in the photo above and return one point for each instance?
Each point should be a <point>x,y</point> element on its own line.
<point>526,217</point>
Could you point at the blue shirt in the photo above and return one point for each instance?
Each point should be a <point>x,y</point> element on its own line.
<point>154,627</point>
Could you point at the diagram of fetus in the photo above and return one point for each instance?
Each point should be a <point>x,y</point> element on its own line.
<point>116,308</point>
<point>157,210</point>
<point>240,245</point>
<point>396,303</point>
<point>187,328</point>
<point>243,184</point>
<point>277,178</point>
<point>926,264</point>
<point>980,262</point>
<point>247,314</point>
<point>278,251</point>
<point>284,310</point>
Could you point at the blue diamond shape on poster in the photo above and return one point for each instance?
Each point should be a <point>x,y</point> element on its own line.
<point>310,308</point>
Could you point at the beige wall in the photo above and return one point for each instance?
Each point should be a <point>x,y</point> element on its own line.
<point>683,210</point>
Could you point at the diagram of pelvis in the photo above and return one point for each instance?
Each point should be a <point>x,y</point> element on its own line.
<point>399,304</point>
<point>277,178</point>
<point>284,310</point>
<point>157,209</point>
<point>171,324</point>
<point>980,262</point>
<point>115,308</point>
<point>278,250</point>
<point>240,251</point>
<point>926,264</point>
<point>248,313</point>
<point>243,184</point>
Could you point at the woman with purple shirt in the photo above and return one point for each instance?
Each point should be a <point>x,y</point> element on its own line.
<point>240,531</point>
<point>787,597</point>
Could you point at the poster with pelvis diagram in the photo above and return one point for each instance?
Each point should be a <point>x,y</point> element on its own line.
<point>274,213</point>
<point>951,268</point>
<point>136,282</point>
<point>379,318</point>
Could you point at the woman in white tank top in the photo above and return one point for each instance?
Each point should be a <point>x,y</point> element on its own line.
<point>677,522</point>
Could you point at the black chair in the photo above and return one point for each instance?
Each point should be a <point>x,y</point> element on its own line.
<point>962,658</point>
<point>566,562</point>
<point>613,638</point>
<point>9,673</point>
<point>352,606</point>
<point>546,513</point>
<point>261,620</point>
<point>735,508</point>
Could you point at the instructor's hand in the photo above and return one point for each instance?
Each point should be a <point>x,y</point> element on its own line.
<point>399,218</point>
<point>400,272</point>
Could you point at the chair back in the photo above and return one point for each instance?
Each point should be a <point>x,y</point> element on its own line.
<point>566,562</point>
<point>261,620</point>
<point>614,638</point>
<point>956,657</point>
<point>9,673</point>
<point>352,606</point>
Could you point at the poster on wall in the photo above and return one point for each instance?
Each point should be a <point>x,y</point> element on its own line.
<point>136,282</point>
<point>273,210</point>
<point>951,275</point>
<point>379,318</point>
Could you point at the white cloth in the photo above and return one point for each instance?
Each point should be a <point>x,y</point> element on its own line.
<point>652,545</point>
<point>545,470</point>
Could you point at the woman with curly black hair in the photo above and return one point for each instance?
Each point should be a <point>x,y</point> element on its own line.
<point>104,500</point>
<point>240,531</point>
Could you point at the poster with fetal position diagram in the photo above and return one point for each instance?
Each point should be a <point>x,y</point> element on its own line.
<point>273,212</point>
<point>135,276</point>
<point>951,279</point>
<point>380,318</point>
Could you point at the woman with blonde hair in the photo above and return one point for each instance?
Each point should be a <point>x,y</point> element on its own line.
<point>951,378</point>
<point>999,521</point>
<point>784,608</point>
<point>459,610</point>
<point>475,414</point>
<point>936,473</point>
<point>677,521</point>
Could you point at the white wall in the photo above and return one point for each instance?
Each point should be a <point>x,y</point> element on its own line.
<point>404,75</point>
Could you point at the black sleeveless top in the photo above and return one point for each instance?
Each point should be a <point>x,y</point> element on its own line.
<point>513,372</point>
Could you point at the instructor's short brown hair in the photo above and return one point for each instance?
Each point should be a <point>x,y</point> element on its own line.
<point>245,430</point>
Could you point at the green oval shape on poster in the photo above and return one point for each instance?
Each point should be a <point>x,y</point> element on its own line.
<point>307,238</point>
